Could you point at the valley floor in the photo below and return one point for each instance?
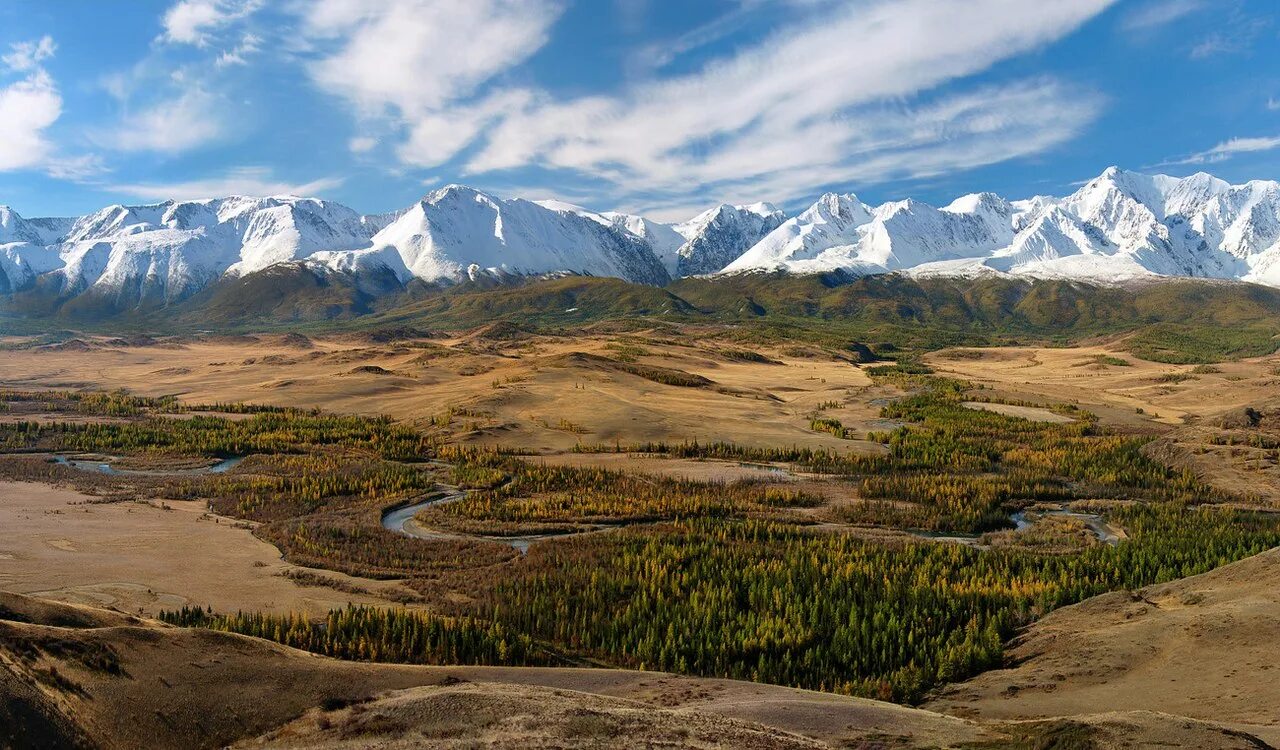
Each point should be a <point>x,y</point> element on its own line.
<point>86,561</point>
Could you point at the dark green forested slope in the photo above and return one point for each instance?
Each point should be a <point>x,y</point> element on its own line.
<point>1174,320</point>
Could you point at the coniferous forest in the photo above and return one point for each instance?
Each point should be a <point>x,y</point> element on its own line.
<point>733,579</point>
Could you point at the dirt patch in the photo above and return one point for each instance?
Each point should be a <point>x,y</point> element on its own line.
<point>138,557</point>
<point>706,471</point>
<point>1033,413</point>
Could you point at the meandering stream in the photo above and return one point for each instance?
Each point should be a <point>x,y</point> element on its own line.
<point>1101,530</point>
<point>400,519</point>
<point>105,467</point>
<point>1094,522</point>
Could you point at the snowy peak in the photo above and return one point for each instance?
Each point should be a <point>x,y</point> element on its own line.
<point>838,232</point>
<point>1119,225</point>
<point>663,240</point>
<point>13,228</point>
<point>716,237</point>
<point>1189,195</point>
<point>156,254</point>
<point>761,209</point>
<point>1053,234</point>
<point>457,233</point>
<point>831,222</point>
<point>833,208</point>
<point>991,209</point>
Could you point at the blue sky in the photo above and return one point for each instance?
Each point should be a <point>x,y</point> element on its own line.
<point>655,106</point>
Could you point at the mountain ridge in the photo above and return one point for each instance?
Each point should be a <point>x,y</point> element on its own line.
<point>1118,227</point>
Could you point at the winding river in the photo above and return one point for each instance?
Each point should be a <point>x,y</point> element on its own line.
<point>105,467</point>
<point>400,519</point>
<point>1094,522</point>
<point>1022,520</point>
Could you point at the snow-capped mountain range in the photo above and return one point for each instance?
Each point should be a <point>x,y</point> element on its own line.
<point>1119,226</point>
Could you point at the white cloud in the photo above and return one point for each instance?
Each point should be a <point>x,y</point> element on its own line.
<point>249,45</point>
<point>410,60</point>
<point>660,53</point>
<point>418,55</point>
<point>1229,148</point>
<point>24,57</point>
<point>254,181</point>
<point>362,144</point>
<point>170,126</point>
<point>842,93</point>
<point>818,104</point>
<point>76,168</point>
<point>1160,13</point>
<point>195,21</point>
<point>434,137</point>
<point>1273,104</point>
<point>27,108</point>
<point>1237,35</point>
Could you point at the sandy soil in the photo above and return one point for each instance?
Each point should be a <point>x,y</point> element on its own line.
<point>535,394</point>
<point>705,471</point>
<point>1033,413</point>
<point>1202,647</point>
<point>1199,648</point>
<point>1114,392</point>
<point>516,716</point>
<point>137,557</point>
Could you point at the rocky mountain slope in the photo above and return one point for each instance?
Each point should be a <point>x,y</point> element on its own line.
<point>1119,226</point>
<point>715,238</point>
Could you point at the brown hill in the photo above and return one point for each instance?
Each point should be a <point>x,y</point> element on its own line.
<point>1202,647</point>
<point>73,676</point>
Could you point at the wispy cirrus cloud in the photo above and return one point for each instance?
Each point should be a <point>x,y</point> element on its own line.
<point>1158,13</point>
<point>880,144</point>
<point>24,57</point>
<point>1228,149</point>
<point>250,44</point>
<point>198,21</point>
<point>189,120</point>
<point>238,181</point>
<point>804,107</point>
<point>771,99</point>
<point>1237,33</point>
<point>176,98</point>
